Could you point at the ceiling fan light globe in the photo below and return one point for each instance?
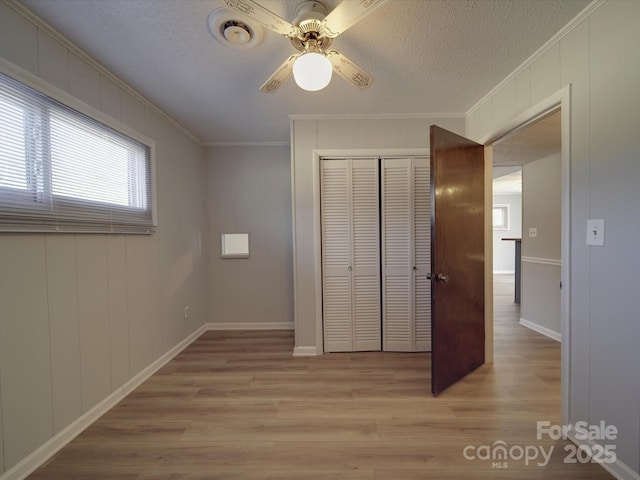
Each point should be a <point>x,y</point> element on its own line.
<point>312,71</point>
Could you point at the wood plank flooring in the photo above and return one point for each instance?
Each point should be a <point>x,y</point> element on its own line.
<point>237,405</point>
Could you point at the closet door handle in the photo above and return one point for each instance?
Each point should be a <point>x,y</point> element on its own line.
<point>349,268</point>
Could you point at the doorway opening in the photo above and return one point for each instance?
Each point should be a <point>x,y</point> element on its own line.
<point>557,113</point>
<point>527,236</point>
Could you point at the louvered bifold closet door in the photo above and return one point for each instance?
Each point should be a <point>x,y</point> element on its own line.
<point>422,252</point>
<point>406,257</point>
<point>336,255</point>
<point>350,254</point>
<point>396,255</point>
<point>366,254</point>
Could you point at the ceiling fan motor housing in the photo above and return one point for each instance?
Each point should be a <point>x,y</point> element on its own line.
<point>309,16</point>
<point>309,10</point>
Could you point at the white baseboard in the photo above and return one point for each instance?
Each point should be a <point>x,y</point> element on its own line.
<point>504,272</point>
<point>305,351</point>
<point>618,469</point>
<point>45,451</point>
<point>250,326</point>
<point>540,329</point>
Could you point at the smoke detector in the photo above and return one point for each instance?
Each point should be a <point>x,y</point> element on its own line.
<point>229,29</point>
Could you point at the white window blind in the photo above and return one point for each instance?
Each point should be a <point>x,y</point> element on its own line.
<point>61,170</point>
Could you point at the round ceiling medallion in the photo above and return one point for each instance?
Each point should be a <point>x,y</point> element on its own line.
<point>232,31</point>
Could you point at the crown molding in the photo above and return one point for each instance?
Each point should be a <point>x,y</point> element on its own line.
<point>377,116</point>
<point>72,47</point>
<point>564,31</point>
<point>245,144</point>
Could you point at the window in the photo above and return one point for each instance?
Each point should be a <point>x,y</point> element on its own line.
<point>61,170</point>
<point>501,217</point>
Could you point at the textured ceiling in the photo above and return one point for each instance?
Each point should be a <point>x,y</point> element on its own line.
<point>427,57</point>
<point>532,142</point>
<point>507,180</point>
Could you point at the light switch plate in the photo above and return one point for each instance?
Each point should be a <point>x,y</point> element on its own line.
<point>595,232</point>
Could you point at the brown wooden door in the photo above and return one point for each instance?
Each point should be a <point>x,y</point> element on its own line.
<point>457,260</point>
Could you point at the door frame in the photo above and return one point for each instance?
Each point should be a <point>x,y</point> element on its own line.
<point>559,100</point>
<point>318,154</point>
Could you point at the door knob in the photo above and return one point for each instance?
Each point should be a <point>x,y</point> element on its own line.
<point>442,278</point>
<point>349,268</point>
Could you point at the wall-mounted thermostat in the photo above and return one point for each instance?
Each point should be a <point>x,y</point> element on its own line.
<point>235,245</point>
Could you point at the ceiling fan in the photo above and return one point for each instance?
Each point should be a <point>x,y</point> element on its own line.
<point>312,33</point>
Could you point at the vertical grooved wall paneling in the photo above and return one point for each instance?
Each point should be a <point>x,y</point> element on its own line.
<point>249,191</point>
<point>81,314</point>
<point>598,58</point>
<point>64,323</point>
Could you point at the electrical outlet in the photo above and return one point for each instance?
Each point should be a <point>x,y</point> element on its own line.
<point>186,312</point>
<point>533,232</point>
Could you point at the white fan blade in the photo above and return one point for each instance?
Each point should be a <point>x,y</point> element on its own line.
<point>280,76</point>
<point>257,12</point>
<point>349,70</point>
<point>346,14</point>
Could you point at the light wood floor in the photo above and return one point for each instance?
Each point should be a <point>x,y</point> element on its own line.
<point>237,405</point>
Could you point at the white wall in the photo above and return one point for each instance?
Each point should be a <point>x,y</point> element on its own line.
<point>504,251</point>
<point>384,135</point>
<point>249,191</point>
<point>80,315</point>
<point>599,58</point>
<point>541,255</point>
